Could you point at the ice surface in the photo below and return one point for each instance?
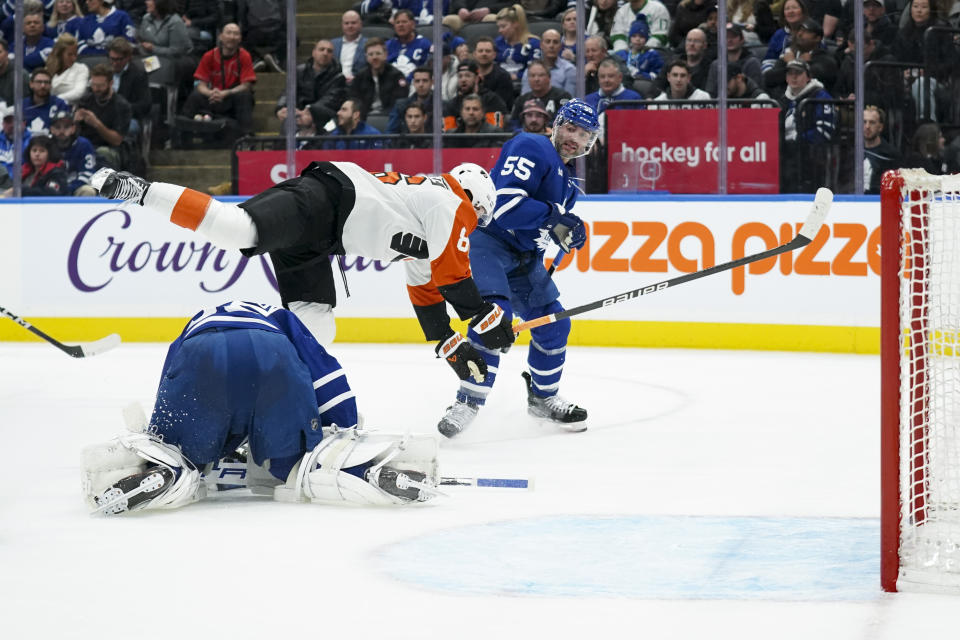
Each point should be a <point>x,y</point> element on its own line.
<point>715,495</point>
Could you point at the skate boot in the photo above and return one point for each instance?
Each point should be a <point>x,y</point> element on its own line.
<point>565,415</point>
<point>403,483</point>
<point>458,417</point>
<point>119,186</point>
<point>133,490</point>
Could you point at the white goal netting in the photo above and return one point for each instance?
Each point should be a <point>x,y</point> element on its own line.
<point>929,440</point>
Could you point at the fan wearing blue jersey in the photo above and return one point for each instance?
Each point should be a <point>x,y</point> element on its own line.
<point>252,373</point>
<point>535,192</point>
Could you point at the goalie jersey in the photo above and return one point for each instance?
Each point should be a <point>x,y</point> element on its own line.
<point>335,399</point>
<point>529,176</point>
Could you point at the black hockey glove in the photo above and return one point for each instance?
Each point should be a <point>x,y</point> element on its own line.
<point>494,327</point>
<point>565,229</point>
<point>462,357</point>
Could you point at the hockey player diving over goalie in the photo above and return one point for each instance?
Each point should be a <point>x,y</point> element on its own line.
<point>338,208</point>
<point>252,373</point>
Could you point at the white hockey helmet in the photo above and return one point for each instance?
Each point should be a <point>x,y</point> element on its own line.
<point>479,187</point>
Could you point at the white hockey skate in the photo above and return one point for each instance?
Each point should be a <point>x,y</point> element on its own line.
<point>458,417</point>
<point>119,186</point>
<point>555,409</point>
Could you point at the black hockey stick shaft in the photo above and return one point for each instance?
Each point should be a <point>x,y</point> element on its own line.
<point>76,351</point>
<point>809,230</point>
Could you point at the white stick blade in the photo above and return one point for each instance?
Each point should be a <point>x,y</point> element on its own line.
<point>821,206</point>
<point>101,345</point>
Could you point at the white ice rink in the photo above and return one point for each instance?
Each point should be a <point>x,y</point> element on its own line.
<point>715,495</point>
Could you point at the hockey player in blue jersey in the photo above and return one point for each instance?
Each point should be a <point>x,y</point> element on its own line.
<point>248,372</point>
<point>535,192</point>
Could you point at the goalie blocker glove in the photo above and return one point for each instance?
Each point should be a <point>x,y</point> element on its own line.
<point>462,357</point>
<point>493,327</point>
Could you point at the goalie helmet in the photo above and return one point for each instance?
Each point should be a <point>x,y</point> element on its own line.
<point>476,181</point>
<point>581,115</point>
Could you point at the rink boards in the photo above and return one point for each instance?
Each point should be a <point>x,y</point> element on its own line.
<point>82,268</point>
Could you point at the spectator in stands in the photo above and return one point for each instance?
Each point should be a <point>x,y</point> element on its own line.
<point>422,93</point>
<point>163,34</point>
<point>927,151</point>
<point>878,154</point>
<point>136,9</point>
<point>321,89</point>
<point>37,47</point>
<point>748,63</point>
<point>201,17</point>
<point>350,48</point>
<point>103,117</point>
<point>540,88</point>
<point>594,52</point>
<point>571,37</point>
<point>709,28</point>
<point>8,75</point>
<point>599,18</point>
<point>643,63</point>
<point>472,120</point>
<point>468,83</point>
<point>225,82</point>
<point>535,117</point>
<point>658,18</point>
<point>911,44</point>
<point>815,125</point>
<point>6,140</point>
<point>40,107</point>
<point>698,56</point>
<point>563,73</point>
<point>414,127</point>
<point>741,13</point>
<point>472,11</point>
<point>516,46</point>
<point>543,9</point>
<point>611,89</point>
<point>806,45</point>
<point>883,86</point>
<point>379,85</point>
<point>102,24</point>
<point>407,50</point>
<point>690,14</point>
<point>422,12</point>
<point>876,22</point>
<point>63,12</point>
<point>492,76</point>
<point>793,13</point>
<point>740,86</point>
<point>263,25</point>
<point>130,81</point>
<point>350,123</point>
<point>69,77</point>
<point>43,171</point>
<point>679,86</point>
<point>79,156</point>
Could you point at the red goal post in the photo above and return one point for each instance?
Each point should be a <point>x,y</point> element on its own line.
<point>920,371</point>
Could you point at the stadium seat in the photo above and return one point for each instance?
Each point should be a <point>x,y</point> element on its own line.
<point>377,31</point>
<point>537,28</point>
<point>470,32</point>
<point>378,121</point>
<point>426,30</point>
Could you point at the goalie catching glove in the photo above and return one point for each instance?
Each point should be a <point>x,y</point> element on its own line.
<point>462,357</point>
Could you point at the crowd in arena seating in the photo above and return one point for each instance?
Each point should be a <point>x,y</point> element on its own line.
<point>105,80</point>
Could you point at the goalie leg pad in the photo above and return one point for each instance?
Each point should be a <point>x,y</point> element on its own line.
<point>138,471</point>
<point>329,473</point>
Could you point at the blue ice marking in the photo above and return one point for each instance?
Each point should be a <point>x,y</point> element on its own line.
<point>650,557</point>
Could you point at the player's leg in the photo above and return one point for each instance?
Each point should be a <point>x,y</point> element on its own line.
<point>490,262</point>
<point>536,295</point>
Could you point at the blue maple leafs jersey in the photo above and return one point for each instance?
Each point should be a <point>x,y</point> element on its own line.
<point>95,32</point>
<point>529,176</point>
<point>335,399</point>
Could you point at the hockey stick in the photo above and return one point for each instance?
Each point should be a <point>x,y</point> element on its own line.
<point>821,205</point>
<point>234,474</point>
<point>556,261</point>
<point>82,350</point>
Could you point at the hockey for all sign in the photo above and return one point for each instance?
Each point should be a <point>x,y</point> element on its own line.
<point>677,151</point>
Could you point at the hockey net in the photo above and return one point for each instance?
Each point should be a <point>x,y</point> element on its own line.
<point>920,336</point>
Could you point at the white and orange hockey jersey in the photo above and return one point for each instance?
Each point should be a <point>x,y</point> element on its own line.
<point>435,209</point>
